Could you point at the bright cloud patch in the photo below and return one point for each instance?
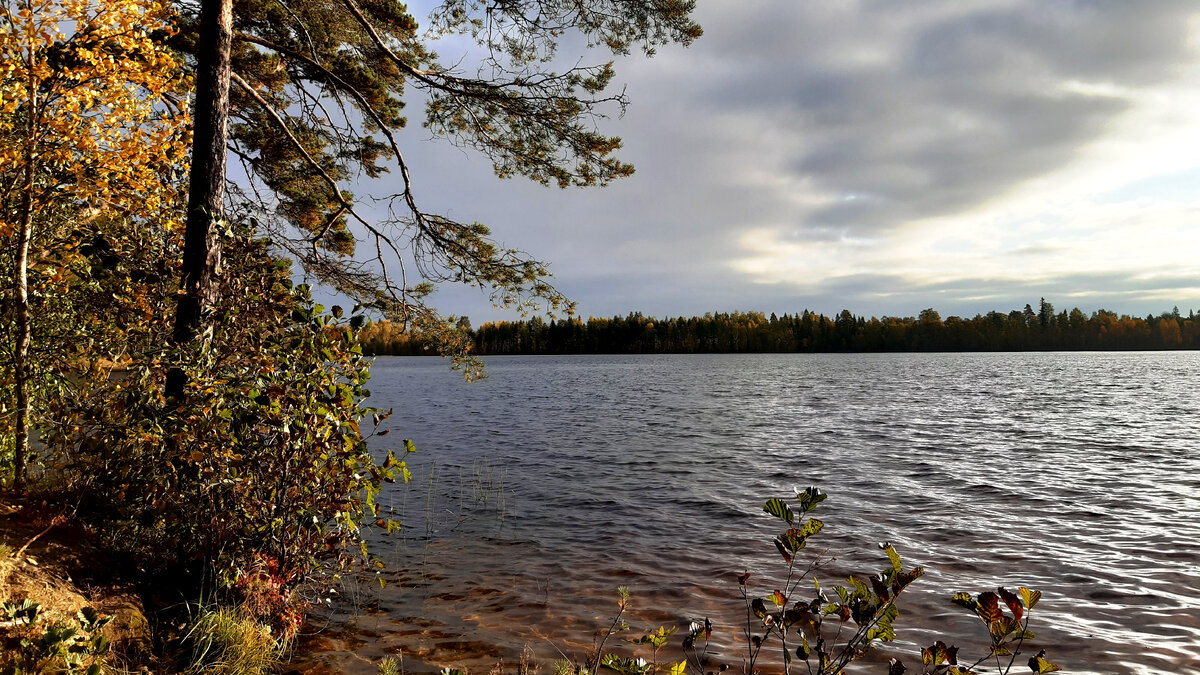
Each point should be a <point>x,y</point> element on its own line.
<point>1003,144</point>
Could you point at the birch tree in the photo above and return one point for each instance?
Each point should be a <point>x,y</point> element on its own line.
<point>90,128</point>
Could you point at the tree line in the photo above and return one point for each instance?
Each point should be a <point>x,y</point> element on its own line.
<point>1028,329</point>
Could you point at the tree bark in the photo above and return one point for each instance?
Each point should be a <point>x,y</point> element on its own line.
<point>206,188</point>
<point>24,331</point>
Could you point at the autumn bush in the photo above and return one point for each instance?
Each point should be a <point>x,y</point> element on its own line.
<point>263,467</point>
<point>91,131</point>
<point>256,478</point>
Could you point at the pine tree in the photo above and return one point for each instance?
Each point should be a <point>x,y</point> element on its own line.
<point>318,93</point>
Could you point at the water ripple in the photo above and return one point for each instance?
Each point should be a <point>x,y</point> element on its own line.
<point>541,489</point>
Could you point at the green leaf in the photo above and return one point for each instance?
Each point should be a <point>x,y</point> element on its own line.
<point>861,588</point>
<point>1029,596</point>
<point>88,616</point>
<point>892,555</point>
<point>1003,627</point>
<point>965,600</point>
<point>625,666</point>
<point>778,508</point>
<point>811,527</point>
<point>884,630</point>
<point>100,644</point>
<point>882,633</point>
<point>809,498</point>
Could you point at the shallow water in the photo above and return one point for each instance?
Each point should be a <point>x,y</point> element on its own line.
<point>541,489</point>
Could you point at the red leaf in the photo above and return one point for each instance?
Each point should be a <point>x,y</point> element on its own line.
<point>1013,603</point>
<point>787,557</point>
<point>989,607</point>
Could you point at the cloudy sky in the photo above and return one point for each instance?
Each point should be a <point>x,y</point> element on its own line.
<point>878,155</point>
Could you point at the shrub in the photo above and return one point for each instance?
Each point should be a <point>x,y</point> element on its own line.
<point>34,643</point>
<point>261,473</point>
<point>828,627</point>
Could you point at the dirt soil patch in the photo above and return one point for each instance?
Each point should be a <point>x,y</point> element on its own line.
<point>50,560</point>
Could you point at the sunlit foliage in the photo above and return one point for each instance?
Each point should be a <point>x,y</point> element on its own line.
<point>92,139</point>
<point>266,466</point>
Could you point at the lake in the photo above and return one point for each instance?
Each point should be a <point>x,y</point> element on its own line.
<point>540,490</point>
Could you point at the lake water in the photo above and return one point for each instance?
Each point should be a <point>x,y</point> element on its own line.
<point>538,491</point>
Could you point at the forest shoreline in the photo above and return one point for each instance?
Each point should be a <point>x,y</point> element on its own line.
<point>1024,330</point>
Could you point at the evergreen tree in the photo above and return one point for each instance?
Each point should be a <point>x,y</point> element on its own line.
<point>318,93</point>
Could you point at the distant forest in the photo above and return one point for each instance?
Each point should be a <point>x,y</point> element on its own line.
<point>1030,329</point>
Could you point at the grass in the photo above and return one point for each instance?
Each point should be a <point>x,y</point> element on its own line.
<point>390,666</point>
<point>6,566</point>
<point>487,484</point>
<point>227,643</point>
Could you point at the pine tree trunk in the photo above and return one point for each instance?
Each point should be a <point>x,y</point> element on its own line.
<point>206,189</point>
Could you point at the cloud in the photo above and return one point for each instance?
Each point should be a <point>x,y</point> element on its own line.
<point>903,111</point>
<point>878,151</point>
